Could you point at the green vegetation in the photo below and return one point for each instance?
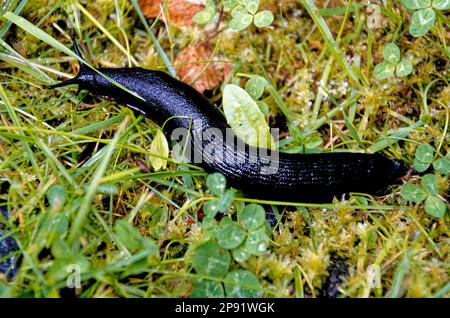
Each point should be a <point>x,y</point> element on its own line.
<point>96,186</point>
<point>392,64</point>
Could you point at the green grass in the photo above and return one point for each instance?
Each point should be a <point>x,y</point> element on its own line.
<point>319,66</point>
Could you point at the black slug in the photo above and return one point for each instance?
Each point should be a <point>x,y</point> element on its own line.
<point>257,172</point>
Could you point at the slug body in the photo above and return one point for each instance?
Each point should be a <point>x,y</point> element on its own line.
<point>265,174</point>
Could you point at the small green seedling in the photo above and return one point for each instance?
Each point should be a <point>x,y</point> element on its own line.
<point>424,14</point>
<point>392,64</point>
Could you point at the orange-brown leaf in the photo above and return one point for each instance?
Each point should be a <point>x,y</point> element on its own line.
<point>181,11</point>
<point>194,67</point>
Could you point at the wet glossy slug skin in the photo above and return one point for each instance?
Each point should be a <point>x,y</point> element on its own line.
<point>307,178</point>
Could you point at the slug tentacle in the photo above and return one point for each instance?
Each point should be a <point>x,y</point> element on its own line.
<point>83,75</point>
<point>212,145</point>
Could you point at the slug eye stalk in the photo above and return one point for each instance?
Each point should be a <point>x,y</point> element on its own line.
<point>80,79</point>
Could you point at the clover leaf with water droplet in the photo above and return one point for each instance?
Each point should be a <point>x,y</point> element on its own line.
<point>230,235</point>
<point>245,118</point>
<point>204,288</point>
<point>211,260</point>
<point>216,183</point>
<point>242,284</point>
<point>423,157</point>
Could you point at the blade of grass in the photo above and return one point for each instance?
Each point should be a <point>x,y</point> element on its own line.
<point>23,65</point>
<point>399,276</point>
<point>32,70</point>
<point>299,293</point>
<point>317,205</point>
<point>329,39</point>
<point>332,113</point>
<point>12,114</point>
<point>443,292</point>
<point>126,146</point>
<point>393,138</point>
<point>340,10</point>
<point>58,166</point>
<point>353,131</point>
<point>132,174</point>
<point>35,31</point>
<point>92,189</point>
<point>155,41</point>
<point>106,32</point>
<point>320,93</point>
<point>8,23</point>
<point>97,126</point>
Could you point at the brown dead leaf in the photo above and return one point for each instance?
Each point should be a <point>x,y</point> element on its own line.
<point>193,67</point>
<point>181,11</point>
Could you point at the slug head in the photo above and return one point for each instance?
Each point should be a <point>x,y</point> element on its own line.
<point>84,76</point>
<point>395,170</point>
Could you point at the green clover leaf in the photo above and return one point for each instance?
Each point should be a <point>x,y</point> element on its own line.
<point>425,153</point>
<point>392,64</point>
<point>230,235</point>
<point>203,288</point>
<point>441,4</point>
<point>413,193</point>
<point>216,183</point>
<point>244,12</point>
<point>435,207</point>
<point>228,5</point>
<point>251,5</point>
<point>384,70</point>
<point>241,18</point>
<point>416,4</point>
<point>422,21</point>
<point>442,166</point>
<point>241,254</point>
<point>420,166</point>
<point>391,53</point>
<point>242,284</point>
<point>255,87</point>
<point>430,184</point>
<point>257,241</point>
<point>252,216</point>
<point>404,68</point>
<point>263,19</point>
<point>211,259</point>
<point>206,15</point>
